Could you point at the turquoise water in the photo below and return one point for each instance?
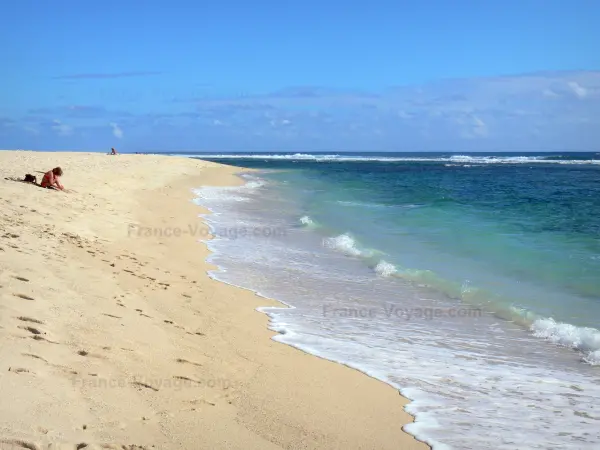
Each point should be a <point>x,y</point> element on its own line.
<point>528,235</point>
<point>515,238</point>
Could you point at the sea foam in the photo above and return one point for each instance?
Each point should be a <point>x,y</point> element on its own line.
<point>307,221</point>
<point>586,340</point>
<point>212,194</point>
<point>350,158</point>
<point>385,269</point>
<point>343,243</point>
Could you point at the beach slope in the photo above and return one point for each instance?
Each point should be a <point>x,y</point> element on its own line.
<point>113,336</point>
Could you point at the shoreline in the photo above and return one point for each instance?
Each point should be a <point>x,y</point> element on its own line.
<point>165,355</point>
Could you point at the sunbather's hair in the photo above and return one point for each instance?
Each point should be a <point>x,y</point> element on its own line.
<point>57,171</point>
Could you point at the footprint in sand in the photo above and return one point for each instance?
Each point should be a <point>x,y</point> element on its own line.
<point>91,355</point>
<point>32,330</point>
<point>15,444</point>
<point>198,401</point>
<point>19,370</point>
<point>20,278</point>
<point>110,315</point>
<point>36,334</point>
<point>185,361</point>
<point>139,384</point>
<point>30,319</point>
<point>31,355</point>
<point>37,337</point>
<point>179,377</point>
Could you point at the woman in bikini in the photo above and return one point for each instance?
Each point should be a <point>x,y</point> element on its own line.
<point>51,179</point>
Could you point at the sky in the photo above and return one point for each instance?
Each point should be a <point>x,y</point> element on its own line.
<point>183,75</point>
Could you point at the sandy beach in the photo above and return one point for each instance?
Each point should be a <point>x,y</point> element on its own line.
<point>113,336</point>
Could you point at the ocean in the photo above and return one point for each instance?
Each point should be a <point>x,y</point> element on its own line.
<point>469,282</point>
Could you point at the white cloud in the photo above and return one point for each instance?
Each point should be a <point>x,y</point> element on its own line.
<point>217,122</point>
<point>275,123</point>
<point>479,127</point>
<point>405,115</point>
<point>549,93</point>
<point>31,130</point>
<point>473,127</point>
<point>61,129</point>
<point>579,90</point>
<point>116,130</point>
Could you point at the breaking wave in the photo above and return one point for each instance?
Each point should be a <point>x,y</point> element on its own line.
<point>456,159</point>
<point>585,340</point>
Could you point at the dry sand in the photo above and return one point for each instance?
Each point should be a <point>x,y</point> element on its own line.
<point>114,339</point>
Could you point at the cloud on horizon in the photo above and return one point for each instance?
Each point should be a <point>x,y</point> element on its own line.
<point>116,130</point>
<point>61,129</point>
<point>535,112</point>
<point>79,112</point>
<point>91,76</point>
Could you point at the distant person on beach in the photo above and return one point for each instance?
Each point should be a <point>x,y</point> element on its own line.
<point>51,179</point>
<point>113,151</point>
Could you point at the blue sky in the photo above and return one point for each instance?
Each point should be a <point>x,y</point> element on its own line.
<point>265,75</point>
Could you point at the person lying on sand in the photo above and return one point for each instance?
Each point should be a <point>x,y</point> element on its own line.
<point>51,179</point>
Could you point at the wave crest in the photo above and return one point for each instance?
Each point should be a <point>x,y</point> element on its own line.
<point>498,159</point>
<point>307,221</point>
<point>586,340</point>
<point>343,243</point>
<point>385,269</point>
